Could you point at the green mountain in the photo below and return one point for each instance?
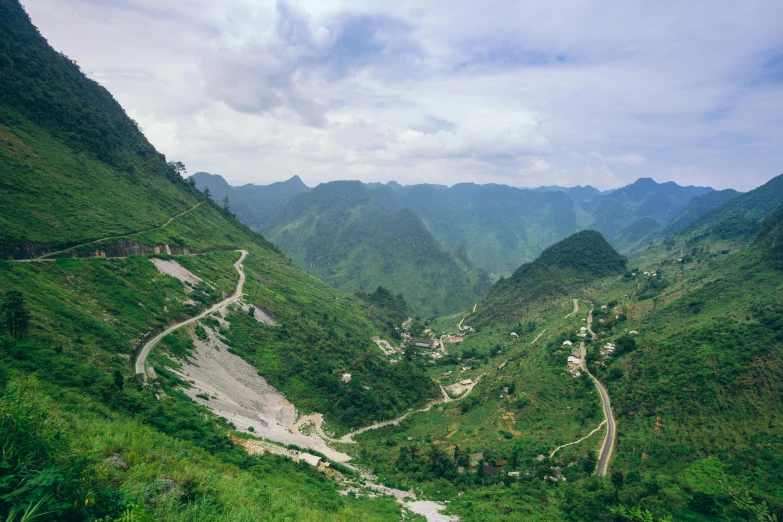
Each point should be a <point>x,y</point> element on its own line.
<point>73,166</point>
<point>498,226</point>
<point>643,198</point>
<point>86,438</point>
<point>353,239</point>
<point>254,205</point>
<point>698,207</point>
<point>565,268</point>
<point>739,218</point>
<point>637,235</point>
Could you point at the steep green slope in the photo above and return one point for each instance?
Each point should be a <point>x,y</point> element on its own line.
<point>643,198</point>
<point>636,236</point>
<point>81,433</point>
<point>345,235</point>
<point>565,268</point>
<point>739,218</point>
<point>64,135</point>
<point>698,207</point>
<point>254,205</point>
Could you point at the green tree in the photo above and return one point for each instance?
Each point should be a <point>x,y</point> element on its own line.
<point>207,193</point>
<point>119,380</point>
<point>225,205</point>
<point>15,314</point>
<point>590,461</point>
<point>178,167</point>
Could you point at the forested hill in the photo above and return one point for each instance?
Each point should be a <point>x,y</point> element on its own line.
<point>565,268</point>
<point>354,239</point>
<point>63,135</point>
<point>740,218</point>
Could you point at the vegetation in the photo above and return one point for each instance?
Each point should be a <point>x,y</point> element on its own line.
<point>562,269</point>
<point>342,233</point>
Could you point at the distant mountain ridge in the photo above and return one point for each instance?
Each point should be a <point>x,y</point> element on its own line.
<point>253,204</point>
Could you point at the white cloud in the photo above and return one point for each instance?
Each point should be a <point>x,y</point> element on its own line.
<point>518,93</point>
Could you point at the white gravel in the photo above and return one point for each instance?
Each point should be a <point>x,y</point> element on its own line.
<point>174,269</point>
<point>243,397</point>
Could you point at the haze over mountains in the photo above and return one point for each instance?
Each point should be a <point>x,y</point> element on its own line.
<point>466,229</point>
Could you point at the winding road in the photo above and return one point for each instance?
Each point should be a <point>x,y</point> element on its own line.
<point>611,429</point>
<point>576,309</point>
<point>141,360</point>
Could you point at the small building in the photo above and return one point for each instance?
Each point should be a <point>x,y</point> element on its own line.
<point>573,360</point>
<point>492,471</point>
<point>346,378</point>
<point>514,334</point>
<point>445,374</point>
<point>422,343</point>
<point>567,343</point>
<point>466,382</point>
<point>308,458</point>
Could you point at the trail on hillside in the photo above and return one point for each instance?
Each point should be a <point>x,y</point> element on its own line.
<point>578,441</point>
<point>459,326</point>
<point>141,360</point>
<point>317,419</point>
<point>538,336</point>
<point>164,225</point>
<point>608,445</point>
<point>576,309</point>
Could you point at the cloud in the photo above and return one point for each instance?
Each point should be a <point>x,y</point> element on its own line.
<point>523,93</point>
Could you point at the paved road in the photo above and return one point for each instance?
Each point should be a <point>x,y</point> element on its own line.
<point>141,360</point>
<point>611,429</point>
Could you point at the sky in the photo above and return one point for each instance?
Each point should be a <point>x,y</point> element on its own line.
<point>523,93</point>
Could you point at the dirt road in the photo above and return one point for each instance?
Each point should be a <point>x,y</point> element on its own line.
<point>611,429</point>
<point>576,309</point>
<point>164,225</point>
<point>141,360</point>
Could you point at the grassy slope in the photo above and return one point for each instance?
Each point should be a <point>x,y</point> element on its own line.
<point>71,158</point>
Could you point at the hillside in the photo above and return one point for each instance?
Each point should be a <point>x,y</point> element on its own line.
<point>353,239</point>
<point>739,218</point>
<point>693,381</point>
<point>254,205</point>
<point>84,436</point>
<point>63,135</point>
<point>643,198</point>
<point>698,207</point>
<point>565,268</point>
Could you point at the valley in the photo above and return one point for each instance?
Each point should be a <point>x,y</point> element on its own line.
<point>176,348</point>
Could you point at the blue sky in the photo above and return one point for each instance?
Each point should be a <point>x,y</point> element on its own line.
<point>522,93</point>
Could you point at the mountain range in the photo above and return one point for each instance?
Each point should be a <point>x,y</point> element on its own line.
<point>161,359</point>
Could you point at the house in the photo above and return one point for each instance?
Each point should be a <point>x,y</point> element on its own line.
<point>445,374</point>
<point>514,334</point>
<point>567,343</point>
<point>346,378</point>
<point>633,332</point>
<point>573,360</point>
<point>466,382</point>
<point>492,471</point>
<point>422,343</point>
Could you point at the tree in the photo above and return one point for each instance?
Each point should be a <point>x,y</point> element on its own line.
<point>178,167</point>
<point>590,462</point>
<point>225,205</point>
<point>410,352</point>
<point>207,193</point>
<point>192,181</point>
<point>15,314</point>
<point>119,380</point>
